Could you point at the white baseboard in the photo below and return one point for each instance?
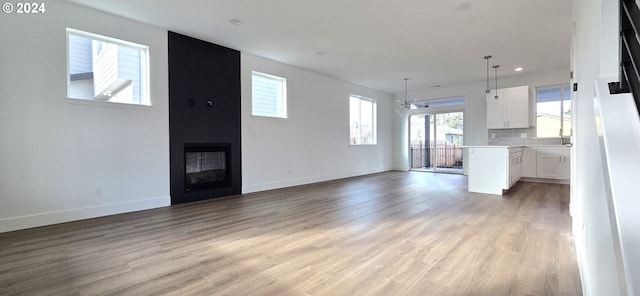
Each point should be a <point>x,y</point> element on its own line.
<point>55,217</point>
<point>550,181</point>
<point>307,180</point>
<point>401,169</point>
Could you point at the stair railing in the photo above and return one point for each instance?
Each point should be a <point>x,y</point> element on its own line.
<point>629,52</point>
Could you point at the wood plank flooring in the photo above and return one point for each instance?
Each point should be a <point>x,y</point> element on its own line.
<point>394,233</point>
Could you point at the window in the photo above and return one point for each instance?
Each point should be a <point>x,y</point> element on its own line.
<point>362,120</point>
<point>553,108</point>
<point>268,95</point>
<point>106,69</point>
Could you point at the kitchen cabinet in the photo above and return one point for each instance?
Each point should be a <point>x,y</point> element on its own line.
<point>529,159</point>
<point>493,169</point>
<point>566,164</point>
<point>515,165</point>
<point>510,109</point>
<point>553,163</point>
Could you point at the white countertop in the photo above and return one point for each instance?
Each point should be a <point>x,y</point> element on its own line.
<point>548,145</point>
<point>491,146</point>
<point>514,146</point>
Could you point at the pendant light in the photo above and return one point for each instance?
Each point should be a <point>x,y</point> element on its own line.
<point>495,67</point>
<point>487,58</point>
<point>404,105</point>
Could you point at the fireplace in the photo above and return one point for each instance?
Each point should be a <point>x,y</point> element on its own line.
<point>205,126</point>
<point>207,166</point>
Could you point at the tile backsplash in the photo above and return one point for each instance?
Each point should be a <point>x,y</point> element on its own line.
<point>520,136</point>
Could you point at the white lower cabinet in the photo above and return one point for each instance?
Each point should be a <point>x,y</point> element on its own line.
<point>493,169</point>
<point>515,165</point>
<point>566,164</point>
<point>553,163</point>
<point>529,162</point>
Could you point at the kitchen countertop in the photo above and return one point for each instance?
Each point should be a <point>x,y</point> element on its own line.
<point>492,146</point>
<point>565,145</point>
<point>513,146</point>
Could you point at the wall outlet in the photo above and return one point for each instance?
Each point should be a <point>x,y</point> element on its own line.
<point>98,191</point>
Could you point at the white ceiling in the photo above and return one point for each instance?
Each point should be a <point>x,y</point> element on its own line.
<point>375,43</point>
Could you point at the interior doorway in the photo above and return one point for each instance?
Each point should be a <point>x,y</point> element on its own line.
<point>435,142</point>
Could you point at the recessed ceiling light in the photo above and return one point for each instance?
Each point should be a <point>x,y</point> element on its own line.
<point>236,21</point>
<point>518,69</point>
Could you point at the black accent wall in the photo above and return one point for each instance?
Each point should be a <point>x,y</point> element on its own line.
<point>204,108</point>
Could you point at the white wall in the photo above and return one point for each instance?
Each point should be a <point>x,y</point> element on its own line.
<point>475,116</point>
<point>312,144</point>
<point>595,54</point>
<point>56,152</point>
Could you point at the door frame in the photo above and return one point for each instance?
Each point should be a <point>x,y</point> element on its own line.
<point>432,112</point>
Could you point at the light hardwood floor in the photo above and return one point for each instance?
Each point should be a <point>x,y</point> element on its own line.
<point>395,233</point>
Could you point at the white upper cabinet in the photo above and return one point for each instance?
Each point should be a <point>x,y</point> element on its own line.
<point>510,109</point>
<point>496,109</point>
<point>517,107</point>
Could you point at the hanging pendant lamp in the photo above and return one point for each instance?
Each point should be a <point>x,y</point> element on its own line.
<point>487,58</point>
<point>403,105</point>
<point>495,67</point>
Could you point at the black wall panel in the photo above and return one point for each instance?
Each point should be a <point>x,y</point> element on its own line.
<point>201,72</point>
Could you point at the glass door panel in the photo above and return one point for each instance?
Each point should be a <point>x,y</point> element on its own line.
<point>436,142</point>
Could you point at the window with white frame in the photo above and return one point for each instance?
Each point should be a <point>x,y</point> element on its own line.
<point>268,95</point>
<point>362,120</point>
<point>553,111</point>
<point>106,69</point>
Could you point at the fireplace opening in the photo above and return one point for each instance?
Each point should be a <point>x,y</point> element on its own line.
<point>207,166</point>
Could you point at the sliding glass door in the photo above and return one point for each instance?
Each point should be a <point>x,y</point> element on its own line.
<point>436,142</point>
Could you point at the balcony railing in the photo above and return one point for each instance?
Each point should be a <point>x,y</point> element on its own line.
<point>449,157</point>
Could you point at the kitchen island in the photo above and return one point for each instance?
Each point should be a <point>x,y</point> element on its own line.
<point>494,169</point>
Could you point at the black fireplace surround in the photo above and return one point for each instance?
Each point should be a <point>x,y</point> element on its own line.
<point>204,120</point>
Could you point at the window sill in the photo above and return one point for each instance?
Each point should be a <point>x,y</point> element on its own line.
<point>267,117</point>
<point>107,104</point>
